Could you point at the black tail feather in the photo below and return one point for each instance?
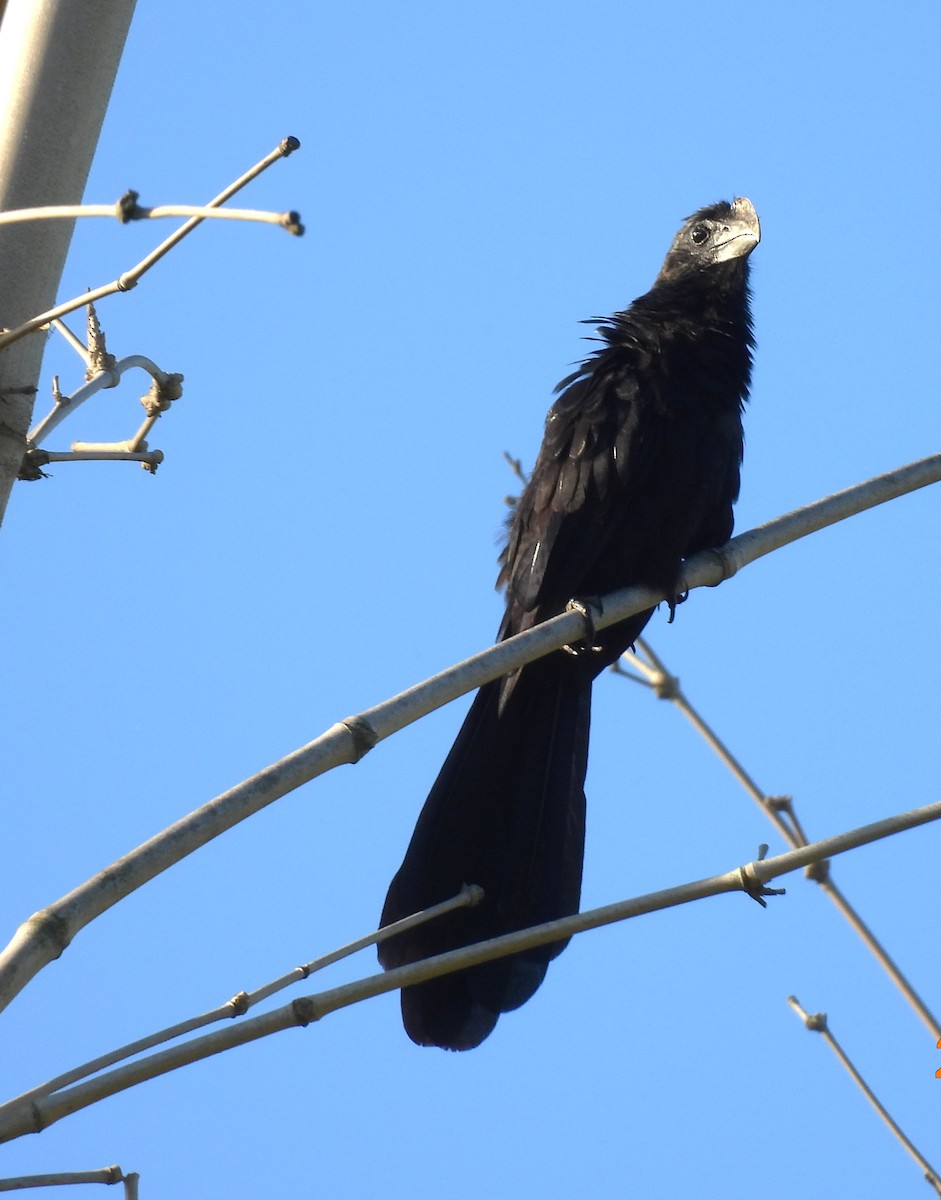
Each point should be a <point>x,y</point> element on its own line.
<point>507,812</point>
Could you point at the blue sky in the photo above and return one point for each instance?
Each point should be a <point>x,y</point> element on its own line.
<point>476,180</point>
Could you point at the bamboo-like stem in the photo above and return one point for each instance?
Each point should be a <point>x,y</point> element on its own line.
<point>44,936</point>
<point>59,1178</point>
<point>108,378</point>
<point>20,1117</point>
<point>817,1023</point>
<point>68,212</point>
<point>130,278</point>
<point>780,811</point>
<point>242,1002</point>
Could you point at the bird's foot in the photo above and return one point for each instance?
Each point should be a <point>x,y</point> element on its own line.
<point>587,609</point>
<point>674,602</point>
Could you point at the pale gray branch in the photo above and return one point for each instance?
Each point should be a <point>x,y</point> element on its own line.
<point>130,278</point>
<point>59,1178</point>
<point>167,387</point>
<point>817,1023</point>
<point>44,936</point>
<point>779,810</point>
<point>33,1113</point>
<point>68,212</point>
<point>242,1002</point>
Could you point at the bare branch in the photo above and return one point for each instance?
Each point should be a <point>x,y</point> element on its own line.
<point>90,452</point>
<point>45,935</point>
<point>818,1024</point>
<point>130,278</point>
<point>18,1117</point>
<point>289,221</point>
<point>168,388</point>
<point>242,1002</point>
<point>780,811</point>
<point>57,1179</point>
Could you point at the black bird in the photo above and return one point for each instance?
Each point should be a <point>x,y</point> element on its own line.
<point>638,469</point>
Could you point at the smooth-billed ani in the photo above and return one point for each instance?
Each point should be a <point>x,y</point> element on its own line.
<point>638,469</point>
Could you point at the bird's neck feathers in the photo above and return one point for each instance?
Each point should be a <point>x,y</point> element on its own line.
<point>694,306</point>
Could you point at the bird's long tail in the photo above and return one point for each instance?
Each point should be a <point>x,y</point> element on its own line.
<point>507,812</point>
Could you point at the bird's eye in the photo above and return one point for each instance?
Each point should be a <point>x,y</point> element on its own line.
<point>699,234</point>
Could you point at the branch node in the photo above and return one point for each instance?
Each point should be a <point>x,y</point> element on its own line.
<point>127,209</point>
<point>363,735</point>
<point>471,894</point>
<point>753,886</point>
<point>51,929</point>
<point>305,1010</point>
<point>162,393</point>
<point>725,562</point>
<point>818,872</point>
<point>816,1022</point>
<point>665,685</point>
<point>239,1004</point>
<point>31,466</point>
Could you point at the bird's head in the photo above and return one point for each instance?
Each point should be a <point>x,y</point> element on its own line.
<point>719,233</point>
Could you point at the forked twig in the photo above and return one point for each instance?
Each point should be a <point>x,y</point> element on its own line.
<point>778,809</point>
<point>38,1112</point>
<point>817,1023</point>
<point>44,936</point>
<point>129,279</point>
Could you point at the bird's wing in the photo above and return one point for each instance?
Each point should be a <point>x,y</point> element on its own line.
<point>600,447</point>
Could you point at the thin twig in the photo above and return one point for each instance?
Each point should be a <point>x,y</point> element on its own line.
<point>780,811</point>
<point>242,1002</point>
<point>818,1024</point>
<point>18,1118</point>
<point>516,467</point>
<point>44,936</point>
<point>58,1178</point>
<point>130,278</point>
<point>73,341</point>
<point>88,452</point>
<point>67,212</point>
<point>168,388</point>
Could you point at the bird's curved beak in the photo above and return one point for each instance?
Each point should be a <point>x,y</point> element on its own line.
<point>741,233</point>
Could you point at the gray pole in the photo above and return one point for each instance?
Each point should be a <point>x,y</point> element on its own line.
<point>58,60</point>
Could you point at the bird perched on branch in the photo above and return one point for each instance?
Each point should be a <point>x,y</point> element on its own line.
<point>638,469</point>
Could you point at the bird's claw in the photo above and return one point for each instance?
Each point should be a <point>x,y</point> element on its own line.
<point>586,609</point>
<point>674,602</point>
